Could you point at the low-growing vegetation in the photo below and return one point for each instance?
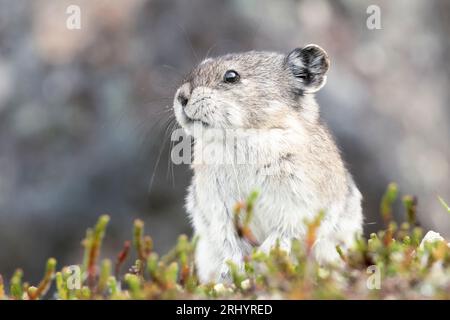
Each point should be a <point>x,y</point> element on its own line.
<point>394,263</point>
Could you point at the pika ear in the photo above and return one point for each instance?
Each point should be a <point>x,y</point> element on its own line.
<point>309,66</point>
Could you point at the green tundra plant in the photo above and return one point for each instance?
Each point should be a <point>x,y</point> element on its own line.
<point>396,259</point>
<point>444,204</point>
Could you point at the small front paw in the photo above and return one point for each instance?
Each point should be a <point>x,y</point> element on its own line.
<point>272,242</point>
<point>266,246</point>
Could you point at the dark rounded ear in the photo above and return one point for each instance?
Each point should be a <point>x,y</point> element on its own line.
<point>309,66</point>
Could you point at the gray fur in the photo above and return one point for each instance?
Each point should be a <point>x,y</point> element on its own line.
<point>301,173</point>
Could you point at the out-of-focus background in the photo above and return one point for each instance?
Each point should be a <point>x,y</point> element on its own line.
<point>84,113</point>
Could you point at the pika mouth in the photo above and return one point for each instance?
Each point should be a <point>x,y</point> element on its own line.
<point>190,120</point>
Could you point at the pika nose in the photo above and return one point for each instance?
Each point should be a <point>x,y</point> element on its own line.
<point>184,94</point>
<point>183,99</point>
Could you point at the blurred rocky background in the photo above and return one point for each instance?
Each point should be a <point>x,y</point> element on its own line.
<point>84,114</point>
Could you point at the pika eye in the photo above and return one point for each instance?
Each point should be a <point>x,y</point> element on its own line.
<point>231,76</point>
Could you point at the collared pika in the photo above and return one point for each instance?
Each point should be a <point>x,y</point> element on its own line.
<point>267,101</point>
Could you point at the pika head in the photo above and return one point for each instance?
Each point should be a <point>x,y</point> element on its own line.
<point>250,90</point>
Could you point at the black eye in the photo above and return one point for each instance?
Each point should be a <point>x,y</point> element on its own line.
<point>231,76</point>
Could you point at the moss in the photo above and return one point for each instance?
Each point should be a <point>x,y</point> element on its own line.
<point>389,264</point>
